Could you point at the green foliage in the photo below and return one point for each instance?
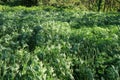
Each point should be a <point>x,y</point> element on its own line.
<point>29,3</point>
<point>91,5</point>
<point>37,44</point>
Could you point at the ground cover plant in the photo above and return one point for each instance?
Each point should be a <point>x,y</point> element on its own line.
<point>58,44</point>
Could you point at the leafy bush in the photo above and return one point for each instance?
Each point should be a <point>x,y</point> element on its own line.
<point>30,2</point>
<point>36,44</point>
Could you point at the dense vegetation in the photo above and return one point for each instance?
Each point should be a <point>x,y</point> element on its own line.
<point>93,5</point>
<point>58,44</point>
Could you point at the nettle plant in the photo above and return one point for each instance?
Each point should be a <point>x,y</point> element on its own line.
<point>59,45</point>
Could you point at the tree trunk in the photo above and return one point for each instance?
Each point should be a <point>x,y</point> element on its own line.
<point>99,5</point>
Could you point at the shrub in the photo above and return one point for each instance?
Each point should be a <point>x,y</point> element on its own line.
<point>30,3</point>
